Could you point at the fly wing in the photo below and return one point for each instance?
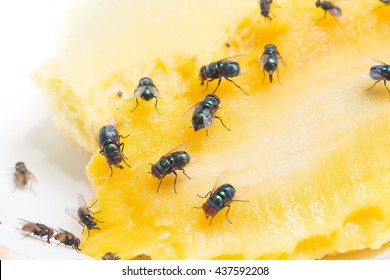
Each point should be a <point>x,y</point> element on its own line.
<point>234,57</point>
<point>372,61</point>
<point>208,118</point>
<point>335,11</point>
<point>223,178</point>
<point>138,91</point>
<point>22,221</point>
<point>72,213</point>
<point>95,128</point>
<point>62,230</point>
<point>81,201</point>
<point>155,91</point>
<point>181,147</point>
<point>263,59</point>
<point>229,177</point>
<point>191,110</point>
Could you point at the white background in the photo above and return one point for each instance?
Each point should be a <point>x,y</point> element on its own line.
<point>28,31</point>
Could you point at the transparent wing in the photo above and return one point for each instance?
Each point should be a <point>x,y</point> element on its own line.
<point>208,118</point>
<point>181,147</point>
<point>241,192</point>
<point>155,91</point>
<point>62,230</point>
<point>138,91</point>
<point>263,59</point>
<point>22,221</point>
<point>234,57</point>
<point>372,61</point>
<point>191,110</point>
<point>72,213</point>
<point>81,201</point>
<point>223,178</point>
<point>335,11</point>
<point>227,177</point>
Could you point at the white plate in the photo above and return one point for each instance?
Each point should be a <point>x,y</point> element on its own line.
<point>28,30</point>
<point>28,36</point>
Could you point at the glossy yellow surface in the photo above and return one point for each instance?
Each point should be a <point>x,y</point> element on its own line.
<point>313,149</point>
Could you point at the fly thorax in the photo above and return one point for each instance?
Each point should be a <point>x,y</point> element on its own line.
<point>226,192</point>
<point>164,165</point>
<point>213,69</point>
<point>111,150</point>
<point>386,71</point>
<point>216,201</point>
<point>211,101</point>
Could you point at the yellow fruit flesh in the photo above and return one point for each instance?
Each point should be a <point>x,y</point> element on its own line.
<point>313,149</point>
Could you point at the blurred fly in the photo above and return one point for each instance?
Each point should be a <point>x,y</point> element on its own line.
<point>226,68</point>
<point>69,239</point>
<point>146,90</point>
<point>270,60</point>
<point>110,256</point>
<point>380,71</point>
<point>23,176</point>
<point>265,6</point>
<point>176,159</point>
<point>219,197</point>
<point>37,229</point>
<point>328,7</point>
<point>84,215</point>
<point>110,145</point>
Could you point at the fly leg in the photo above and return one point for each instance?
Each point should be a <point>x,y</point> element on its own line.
<point>222,123</point>
<point>235,85</point>
<point>159,184</point>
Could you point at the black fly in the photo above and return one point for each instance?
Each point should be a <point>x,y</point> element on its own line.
<point>226,68</point>
<point>146,90</point>
<point>83,214</point>
<point>265,6</point>
<point>111,147</point>
<point>176,159</point>
<point>328,7</point>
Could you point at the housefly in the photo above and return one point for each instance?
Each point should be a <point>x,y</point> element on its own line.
<point>84,215</point>
<point>146,90</point>
<point>226,68</point>
<point>141,257</point>
<point>67,238</point>
<point>176,159</point>
<point>219,197</point>
<point>108,139</point>
<point>110,256</point>
<point>270,60</point>
<point>328,7</point>
<point>204,113</point>
<point>23,176</point>
<point>265,6</point>
<point>37,229</point>
<point>380,71</point>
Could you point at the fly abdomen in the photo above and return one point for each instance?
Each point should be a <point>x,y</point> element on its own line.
<point>179,159</point>
<point>231,69</point>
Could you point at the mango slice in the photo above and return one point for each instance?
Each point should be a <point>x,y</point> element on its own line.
<point>312,147</point>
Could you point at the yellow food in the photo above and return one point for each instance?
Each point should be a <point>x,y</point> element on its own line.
<point>313,149</point>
